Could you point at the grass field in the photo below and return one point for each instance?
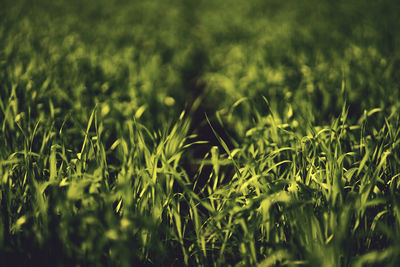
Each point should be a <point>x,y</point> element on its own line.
<point>199,133</point>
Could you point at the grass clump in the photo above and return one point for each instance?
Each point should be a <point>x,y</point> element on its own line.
<point>215,133</point>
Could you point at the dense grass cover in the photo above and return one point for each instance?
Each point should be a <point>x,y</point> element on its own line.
<point>200,133</point>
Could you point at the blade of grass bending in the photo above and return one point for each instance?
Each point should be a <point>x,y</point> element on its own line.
<point>224,145</point>
<point>87,129</point>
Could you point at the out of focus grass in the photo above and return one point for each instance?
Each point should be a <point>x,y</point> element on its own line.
<point>207,133</point>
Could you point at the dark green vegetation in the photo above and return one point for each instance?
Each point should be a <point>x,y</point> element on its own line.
<point>102,130</point>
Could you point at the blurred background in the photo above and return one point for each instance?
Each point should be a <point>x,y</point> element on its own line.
<point>160,56</point>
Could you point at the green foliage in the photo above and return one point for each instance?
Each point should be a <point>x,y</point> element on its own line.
<point>199,133</point>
